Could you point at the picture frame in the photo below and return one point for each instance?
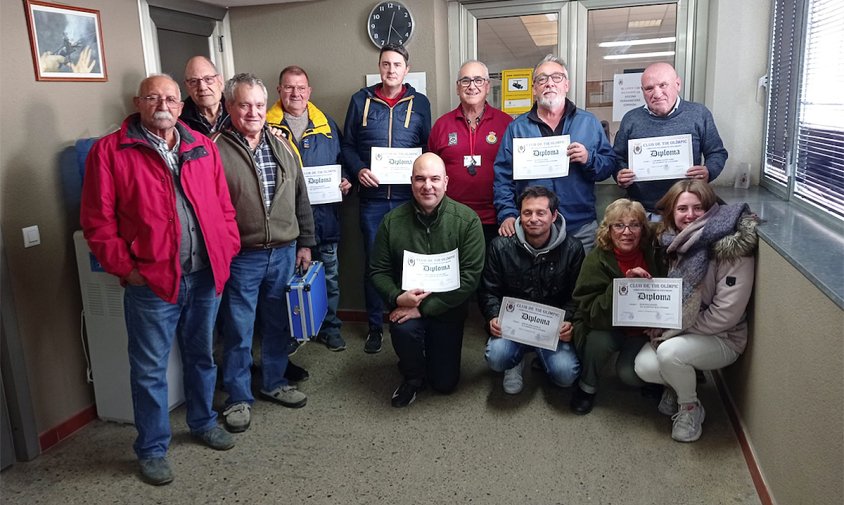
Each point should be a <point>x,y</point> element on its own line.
<point>66,42</point>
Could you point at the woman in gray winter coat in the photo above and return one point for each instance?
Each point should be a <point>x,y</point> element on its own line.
<point>712,247</point>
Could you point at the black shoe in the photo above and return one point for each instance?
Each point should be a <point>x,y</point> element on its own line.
<point>581,401</point>
<point>373,343</point>
<point>404,395</point>
<point>293,346</point>
<point>295,373</point>
<point>536,364</point>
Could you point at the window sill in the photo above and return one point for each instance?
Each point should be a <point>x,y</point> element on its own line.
<point>814,247</point>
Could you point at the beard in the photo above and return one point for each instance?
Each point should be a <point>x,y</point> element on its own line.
<point>550,103</point>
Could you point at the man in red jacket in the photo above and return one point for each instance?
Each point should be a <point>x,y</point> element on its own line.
<point>156,213</point>
<point>467,139</point>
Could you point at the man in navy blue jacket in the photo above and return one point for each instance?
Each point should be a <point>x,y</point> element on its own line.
<point>316,137</point>
<point>590,155</point>
<point>388,114</point>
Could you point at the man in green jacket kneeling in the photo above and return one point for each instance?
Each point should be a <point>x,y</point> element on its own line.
<point>427,261</point>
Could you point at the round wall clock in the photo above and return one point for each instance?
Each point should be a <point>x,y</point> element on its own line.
<point>389,22</point>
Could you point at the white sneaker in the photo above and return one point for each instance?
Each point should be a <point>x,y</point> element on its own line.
<point>668,402</point>
<point>688,422</point>
<point>513,382</point>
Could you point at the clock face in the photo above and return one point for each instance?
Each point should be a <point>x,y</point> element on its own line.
<point>389,22</point>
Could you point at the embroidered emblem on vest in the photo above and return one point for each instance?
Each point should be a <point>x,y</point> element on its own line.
<point>491,138</point>
<point>452,139</point>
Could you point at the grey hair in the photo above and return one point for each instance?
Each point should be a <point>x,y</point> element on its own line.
<point>150,76</point>
<point>240,80</point>
<point>479,62</point>
<point>552,59</point>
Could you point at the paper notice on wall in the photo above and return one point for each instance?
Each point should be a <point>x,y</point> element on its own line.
<point>627,94</point>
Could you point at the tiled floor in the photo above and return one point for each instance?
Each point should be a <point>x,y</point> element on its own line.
<point>349,446</point>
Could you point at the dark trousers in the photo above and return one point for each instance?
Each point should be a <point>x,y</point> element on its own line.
<point>429,351</point>
<point>599,346</point>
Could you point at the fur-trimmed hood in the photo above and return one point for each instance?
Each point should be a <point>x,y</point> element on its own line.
<point>740,243</point>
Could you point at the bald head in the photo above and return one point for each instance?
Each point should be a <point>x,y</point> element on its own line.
<point>429,181</point>
<point>660,88</point>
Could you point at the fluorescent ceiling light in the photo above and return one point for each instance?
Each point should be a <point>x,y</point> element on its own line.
<point>542,28</point>
<point>631,56</point>
<point>638,42</point>
<point>645,23</point>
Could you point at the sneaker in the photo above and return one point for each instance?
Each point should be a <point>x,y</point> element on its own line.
<point>373,342</point>
<point>404,395</point>
<point>216,438</point>
<point>293,346</point>
<point>288,396</point>
<point>156,471</point>
<point>668,403</point>
<point>581,401</point>
<point>295,373</point>
<point>238,417</point>
<point>688,422</point>
<point>335,343</point>
<point>513,382</point>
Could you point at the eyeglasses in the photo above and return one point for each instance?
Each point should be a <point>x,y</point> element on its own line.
<point>467,81</point>
<point>208,80</point>
<point>619,227</point>
<point>556,77</point>
<point>169,101</point>
<point>289,89</point>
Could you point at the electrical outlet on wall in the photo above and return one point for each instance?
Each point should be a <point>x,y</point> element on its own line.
<point>31,236</point>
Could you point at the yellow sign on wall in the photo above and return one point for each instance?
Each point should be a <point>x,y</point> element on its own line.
<point>516,90</point>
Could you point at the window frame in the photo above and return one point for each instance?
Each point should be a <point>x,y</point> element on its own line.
<point>792,49</point>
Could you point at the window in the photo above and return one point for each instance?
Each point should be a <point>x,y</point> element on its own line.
<point>804,138</point>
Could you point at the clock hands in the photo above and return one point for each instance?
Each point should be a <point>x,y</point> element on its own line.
<point>391,27</point>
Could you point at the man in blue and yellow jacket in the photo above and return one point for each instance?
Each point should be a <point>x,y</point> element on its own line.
<point>316,138</point>
<point>389,114</point>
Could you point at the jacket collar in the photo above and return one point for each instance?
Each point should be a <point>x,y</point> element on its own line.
<point>132,132</point>
<point>317,119</point>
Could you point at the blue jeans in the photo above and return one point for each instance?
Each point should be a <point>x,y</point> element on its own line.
<point>327,254</point>
<point>257,286</point>
<point>151,324</point>
<point>371,212</point>
<point>586,235</point>
<point>561,365</point>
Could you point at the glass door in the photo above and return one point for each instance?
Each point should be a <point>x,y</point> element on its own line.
<point>599,40</point>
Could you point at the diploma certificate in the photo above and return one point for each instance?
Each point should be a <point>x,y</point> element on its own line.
<point>393,165</point>
<point>541,158</point>
<point>323,184</point>
<point>530,323</point>
<point>437,273</point>
<point>660,157</point>
<point>647,303</point>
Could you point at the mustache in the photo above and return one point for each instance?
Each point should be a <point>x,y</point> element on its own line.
<point>163,114</point>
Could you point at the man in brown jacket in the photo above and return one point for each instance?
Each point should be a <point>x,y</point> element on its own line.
<point>276,228</point>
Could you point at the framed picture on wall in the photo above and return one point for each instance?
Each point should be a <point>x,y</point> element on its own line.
<point>66,42</point>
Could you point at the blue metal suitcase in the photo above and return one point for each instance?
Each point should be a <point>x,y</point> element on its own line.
<point>307,302</point>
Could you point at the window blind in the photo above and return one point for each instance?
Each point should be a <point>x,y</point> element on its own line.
<point>819,159</point>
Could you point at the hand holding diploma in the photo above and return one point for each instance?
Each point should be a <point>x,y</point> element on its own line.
<point>412,298</point>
